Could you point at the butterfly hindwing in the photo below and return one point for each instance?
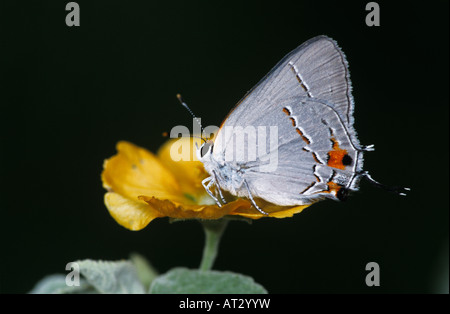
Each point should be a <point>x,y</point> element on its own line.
<point>314,154</point>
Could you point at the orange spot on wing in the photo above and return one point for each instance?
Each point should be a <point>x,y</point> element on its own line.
<point>333,187</point>
<point>336,155</point>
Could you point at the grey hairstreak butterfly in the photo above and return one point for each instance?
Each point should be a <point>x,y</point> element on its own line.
<point>306,101</point>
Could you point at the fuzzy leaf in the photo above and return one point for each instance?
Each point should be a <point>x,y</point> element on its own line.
<point>183,280</point>
<point>56,284</point>
<point>111,277</point>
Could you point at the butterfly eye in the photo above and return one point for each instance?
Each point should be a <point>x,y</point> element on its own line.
<point>205,149</point>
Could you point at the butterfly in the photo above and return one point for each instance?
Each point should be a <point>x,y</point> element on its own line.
<point>306,101</point>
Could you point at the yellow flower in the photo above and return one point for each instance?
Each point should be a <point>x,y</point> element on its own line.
<point>142,186</point>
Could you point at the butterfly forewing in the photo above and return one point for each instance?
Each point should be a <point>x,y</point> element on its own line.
<point>317,68</point>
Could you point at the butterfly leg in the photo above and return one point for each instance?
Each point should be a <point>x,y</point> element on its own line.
<point>207,188</point>
<point>253,201</point>
<point>218,188</point>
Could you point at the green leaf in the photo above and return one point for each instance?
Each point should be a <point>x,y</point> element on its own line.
<point>183,280</point>
<point>111,277</point>
<point>145,271</point>
<point>56,284</point>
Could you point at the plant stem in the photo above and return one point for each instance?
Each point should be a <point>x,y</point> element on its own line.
<point>213,232</point>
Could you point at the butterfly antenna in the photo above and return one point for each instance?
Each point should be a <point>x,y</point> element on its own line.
<point>180,99</point>
<point>396,189</point>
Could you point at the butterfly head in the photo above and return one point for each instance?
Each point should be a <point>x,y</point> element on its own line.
<point>205,151</point>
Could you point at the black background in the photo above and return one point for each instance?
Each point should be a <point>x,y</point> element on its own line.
<point>68,94</point>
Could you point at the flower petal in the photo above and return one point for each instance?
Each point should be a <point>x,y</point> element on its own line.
<point>281,212</point>
<point>133,215</point>
<point>180,157</point>
<point>135,171</point>
<point>239,207</point>
<point>289,212</point>
<point>182,211</point>
<point>273,210</point>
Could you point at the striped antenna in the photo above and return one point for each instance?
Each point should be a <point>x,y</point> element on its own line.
<point>180,99</point>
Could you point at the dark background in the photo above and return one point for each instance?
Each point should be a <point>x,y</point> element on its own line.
<point>68,94</point>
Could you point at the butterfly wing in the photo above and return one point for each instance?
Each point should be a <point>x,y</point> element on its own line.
<point>316,69</point>
<point>307,97</point>
<point>315,156</point>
